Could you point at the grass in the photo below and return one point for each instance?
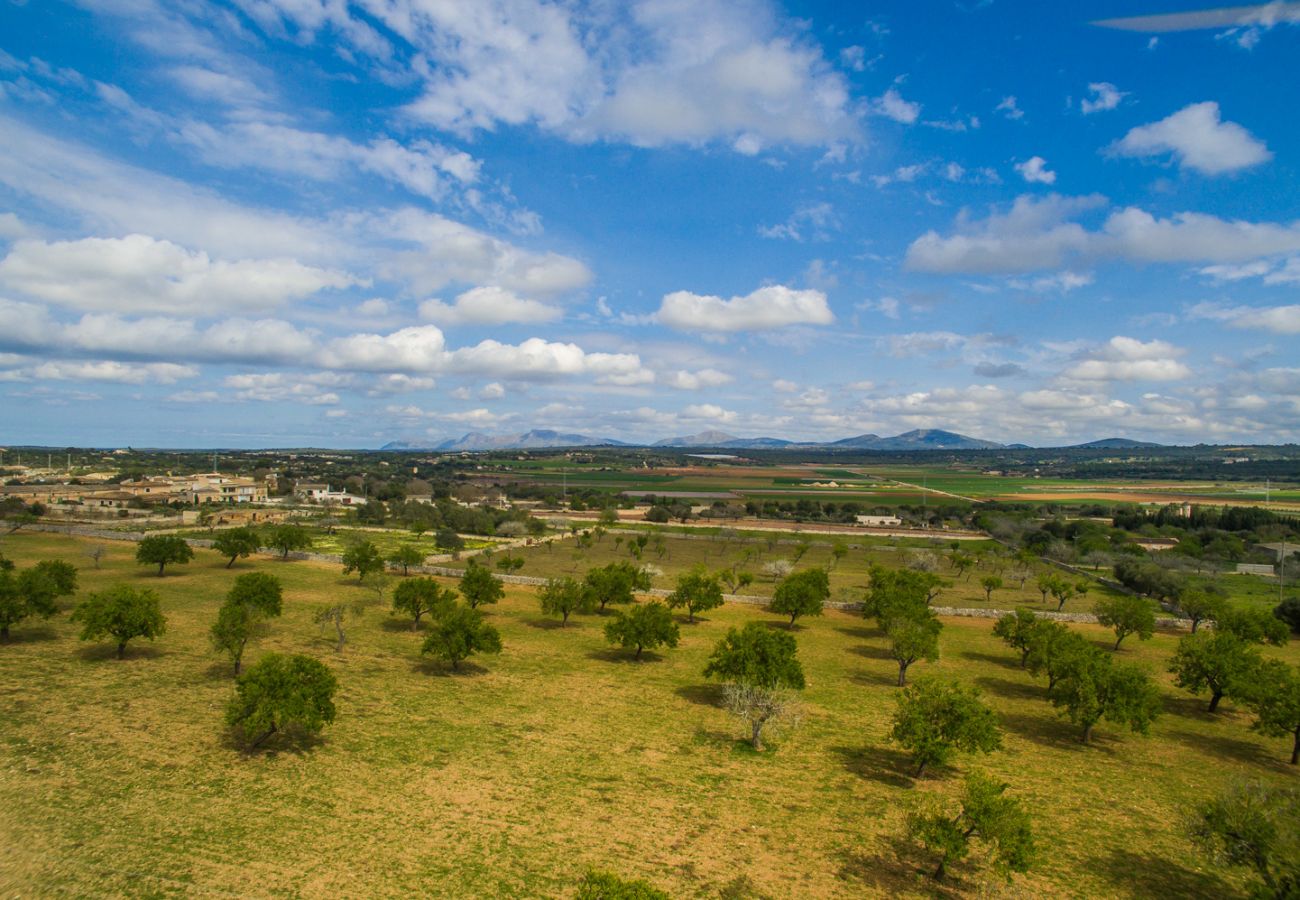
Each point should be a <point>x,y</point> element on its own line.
<point>558,755</point>
<point>386,540</point>
<point>849,577</point>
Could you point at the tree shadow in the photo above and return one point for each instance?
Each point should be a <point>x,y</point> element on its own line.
<point>1139,874</point>
<point>96,652</point>
<point>1235,749</point>
<point>392,624</point>
<point>289,742</point>
<point>623,655</point>
<point>702,694</point>
<point>1059,734</point>
<point>876,679</point>
<point>871,651</point>
<point>440,669</point>
<point>32,634</point>
<point>899,867</point>
<point>784,625</point>
<point>884,765</point>
<point>1005,662</point>
<point>550,624</point>
<point>222,670</point>
<point>1015,690</point>
<point>861,632</point>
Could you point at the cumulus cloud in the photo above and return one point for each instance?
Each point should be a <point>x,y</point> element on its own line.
<point>1104,96</point>
<point>140,274</point>
<point>694,381</point>
<point>1036,233</point>
<point>1198,139</point>
<point>891,105</point>
<point>271,387</point>
<point>1277,319</point>
<point>650,73</point>
<point>488,306</point>
<point>1035,171</point>
<point>112,371</point>
<point>764,309</point>
<point>1129,359</point>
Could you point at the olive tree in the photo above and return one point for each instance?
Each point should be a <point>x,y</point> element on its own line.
<point>645,627</point>
<point>934,718</point>
<point>1255,826</point>
<point>1093,687</point>
<point>760,667</point>
<point>459,632</point>
<point>479,586</point>
<point>1199,605</point>
<point>281,694</point>
<point>1126,614</point>
<point>696,591</point>
<point>252,599</point>
<point>336,614</point>
<point>363,558</point>
<point>417,596</point>
<point>1255,626</point>
<point>121,612</point>
<point>615,583</point>
<point>405,556</point>
<point>163,549</point>
<point>1273,694</point>
<point>564,596</point>
<point>1017,630</point>
<point>288,538</point>
<point>997,821</point>
<point>236,543</point>
<point>913,635</point>
<point>801,594</point>
<point>23,594</point>
<point>60,575</point>
<point>1217,661</point>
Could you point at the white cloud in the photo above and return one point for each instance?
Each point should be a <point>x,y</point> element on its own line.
<point>1060,282</point>
<point>1035,171</point>
<point>1037,234</point>
<point>921,343</point>
<point>764,309</point>
<point>1197,138</point>
<point>1277,319</point>
<point>488,306</point>
<point>891,105</point>
<point>140,274</point>
<point>11,227</point>
<point>1129,359</point>
<point>1007,106</point>
<point>273,387</point>
<point>112,371</point>
<point>1105,96</point>
<point>694,381</point>
<point>807,221</point>
<point>492,391</point>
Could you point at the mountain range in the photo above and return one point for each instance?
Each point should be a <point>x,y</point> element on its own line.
<point>919,439</point>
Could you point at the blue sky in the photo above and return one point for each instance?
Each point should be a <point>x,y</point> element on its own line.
<point>292,222</point>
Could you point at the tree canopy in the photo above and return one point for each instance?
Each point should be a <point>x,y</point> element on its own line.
<point>696,591</point>
<point>913,635</point>
<point>1126,614</point>
<point>30,592</point>
<point>458,632</point>
<point>281,694</point>
<point>934,718</point>
<point>121,612</point>
<point>1217,661</point>
<point>419,596</point>
<point>479,586</point>
<point>756,655</point>
<point>1273,695</point>
<point>1093,687</point>
<point>236,543</point>
<point>986,814</point>
<point>287,538</point>
<point>615,583</point>
<point>564,596</point>
<point>644,627</point>
<point>405,556</point>
<point>163,549</point>
<point>801,594</point>
<point>363,558</point>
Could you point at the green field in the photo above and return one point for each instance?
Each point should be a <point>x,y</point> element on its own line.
<point>387,540</point>
<point>749,551</point>
<point>511,779</point>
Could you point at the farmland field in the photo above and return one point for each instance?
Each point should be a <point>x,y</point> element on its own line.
<point>515,777</point>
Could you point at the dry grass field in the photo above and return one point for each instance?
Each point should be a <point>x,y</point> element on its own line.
<point>510,779</point>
